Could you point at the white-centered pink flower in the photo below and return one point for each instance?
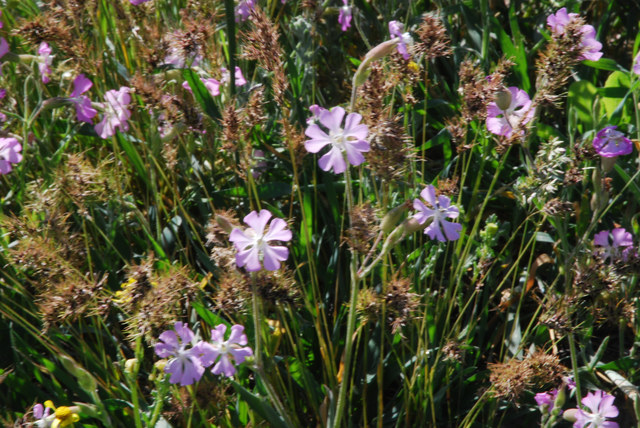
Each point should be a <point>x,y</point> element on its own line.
<point>84,111</point>
<point>254,243</point>
<point>115,112</point>
<point>185,365</point>
<point>346,142</point>
<point>601,408</point>
<point>440,211</point>
<point>233,348</point>
<point>396,29</point>
<point>618,247</point>
<point>518,112</point>
<point>44,61</point>
<point>610,143</point>
<point>10,150</point>
<point>345,15</point>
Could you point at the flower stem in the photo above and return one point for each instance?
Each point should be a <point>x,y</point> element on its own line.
<point>229,11</point>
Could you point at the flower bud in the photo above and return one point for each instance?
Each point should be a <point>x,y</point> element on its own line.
<point>129,365</point>
<point>503,99</point>
<point>561,397</point>
<point>393,217</point>
<point>570,415</point>
<point>380,51</point>
<point>159,365</point>
<point>224,223</point>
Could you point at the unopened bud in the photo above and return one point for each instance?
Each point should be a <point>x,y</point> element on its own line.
<point>392,218</point>
<point>503,99</point>
<point>159,365</point>
<point>561,397</point>
<point>570,415</point>
<point>129,365</point>
<point>224,223</point>
<point>379,51</point>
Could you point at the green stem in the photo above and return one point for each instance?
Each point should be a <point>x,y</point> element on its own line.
<point>133,385</point>
<point>229,10</point>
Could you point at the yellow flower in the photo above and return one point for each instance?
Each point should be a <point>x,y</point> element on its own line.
<point>64,416</point>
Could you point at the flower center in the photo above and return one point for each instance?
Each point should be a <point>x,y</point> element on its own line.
<point>338,140</point>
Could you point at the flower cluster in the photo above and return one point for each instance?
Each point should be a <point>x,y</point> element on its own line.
<point>189,360</point>
<point>253,243</point>
<point>590,47</point>
<point>441,210</point>
<point>244,9</point>
<point>349,141</point>
<point>511,110</point>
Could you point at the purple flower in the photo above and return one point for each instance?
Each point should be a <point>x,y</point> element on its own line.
<point>349,141</point>
<point>636,64</point>
<point>137,2</point>
<point>590,46</point>
<point>44,61</point>
<point>244,9</point>
<point>225,349</point>
<point>10,150</point>
<point>610,143</point>
<point>344,16</point>
<point>616,249</point>
<point>186,366</point>
<point>4,47</point>
<point>601,407</point>
<point>546,400</point>
<point>315,113</point>
<point>253,243</point>
<point>518,112</point>
<point>178,59</point>
<point>240,80</point>
<point>41,413</point>
<point>116,113</point>
<point>396,29</point>
<point>84,111</point>
<point>442,209</point>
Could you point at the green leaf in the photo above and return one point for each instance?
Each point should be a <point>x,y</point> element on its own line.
<point>582,95</point>
<point>260,406</point>
<point>207,316</point>
<point>615,94</point>
<point>134,157</point>
<point>201,94</point>
<point>605,64</point>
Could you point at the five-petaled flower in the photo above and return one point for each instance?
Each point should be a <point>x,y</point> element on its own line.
<point>84,111</point>
<point>10,150</point>
<point>44,61</point>
<point>610,143</point>
<point>546,400</point>
<point>396,29</point>
<point>186,366</point>
<point>253,243</point>
<point>350,140</point>
<point>116,112</point>
<point>619,247</point>
<point>601,407</point>
<point>344,16</point>
<point>590,47</point>
<point>225,349</point>
<point>441,210</point>
<point>514,111</point>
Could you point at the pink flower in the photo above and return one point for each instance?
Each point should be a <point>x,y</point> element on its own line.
<point>10,150</point>
<point>4,47</point>
<point>315,113</point>
<point>227,349</point>
<point>601,407</point>
<point>442,209</point>
<point>116,113</point>
<point>240,80</point>
<point>344,16</point>
<point>253,243</point>
<point>546,400</point>
<point>518,112</point>
<point>350,140</point>
<point>179,60</point>
<point>186,366</point>
<point>44,61</point>
<point>615,249</point>
<point>396,29</point>
<point>244,9</point>
<point>41,413</point>
<point>84,111</point>
<point>610,143</point>
<point>636,64</point>
<point>213,85</point>
<point>590,46</point>
<point>137,2</point>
